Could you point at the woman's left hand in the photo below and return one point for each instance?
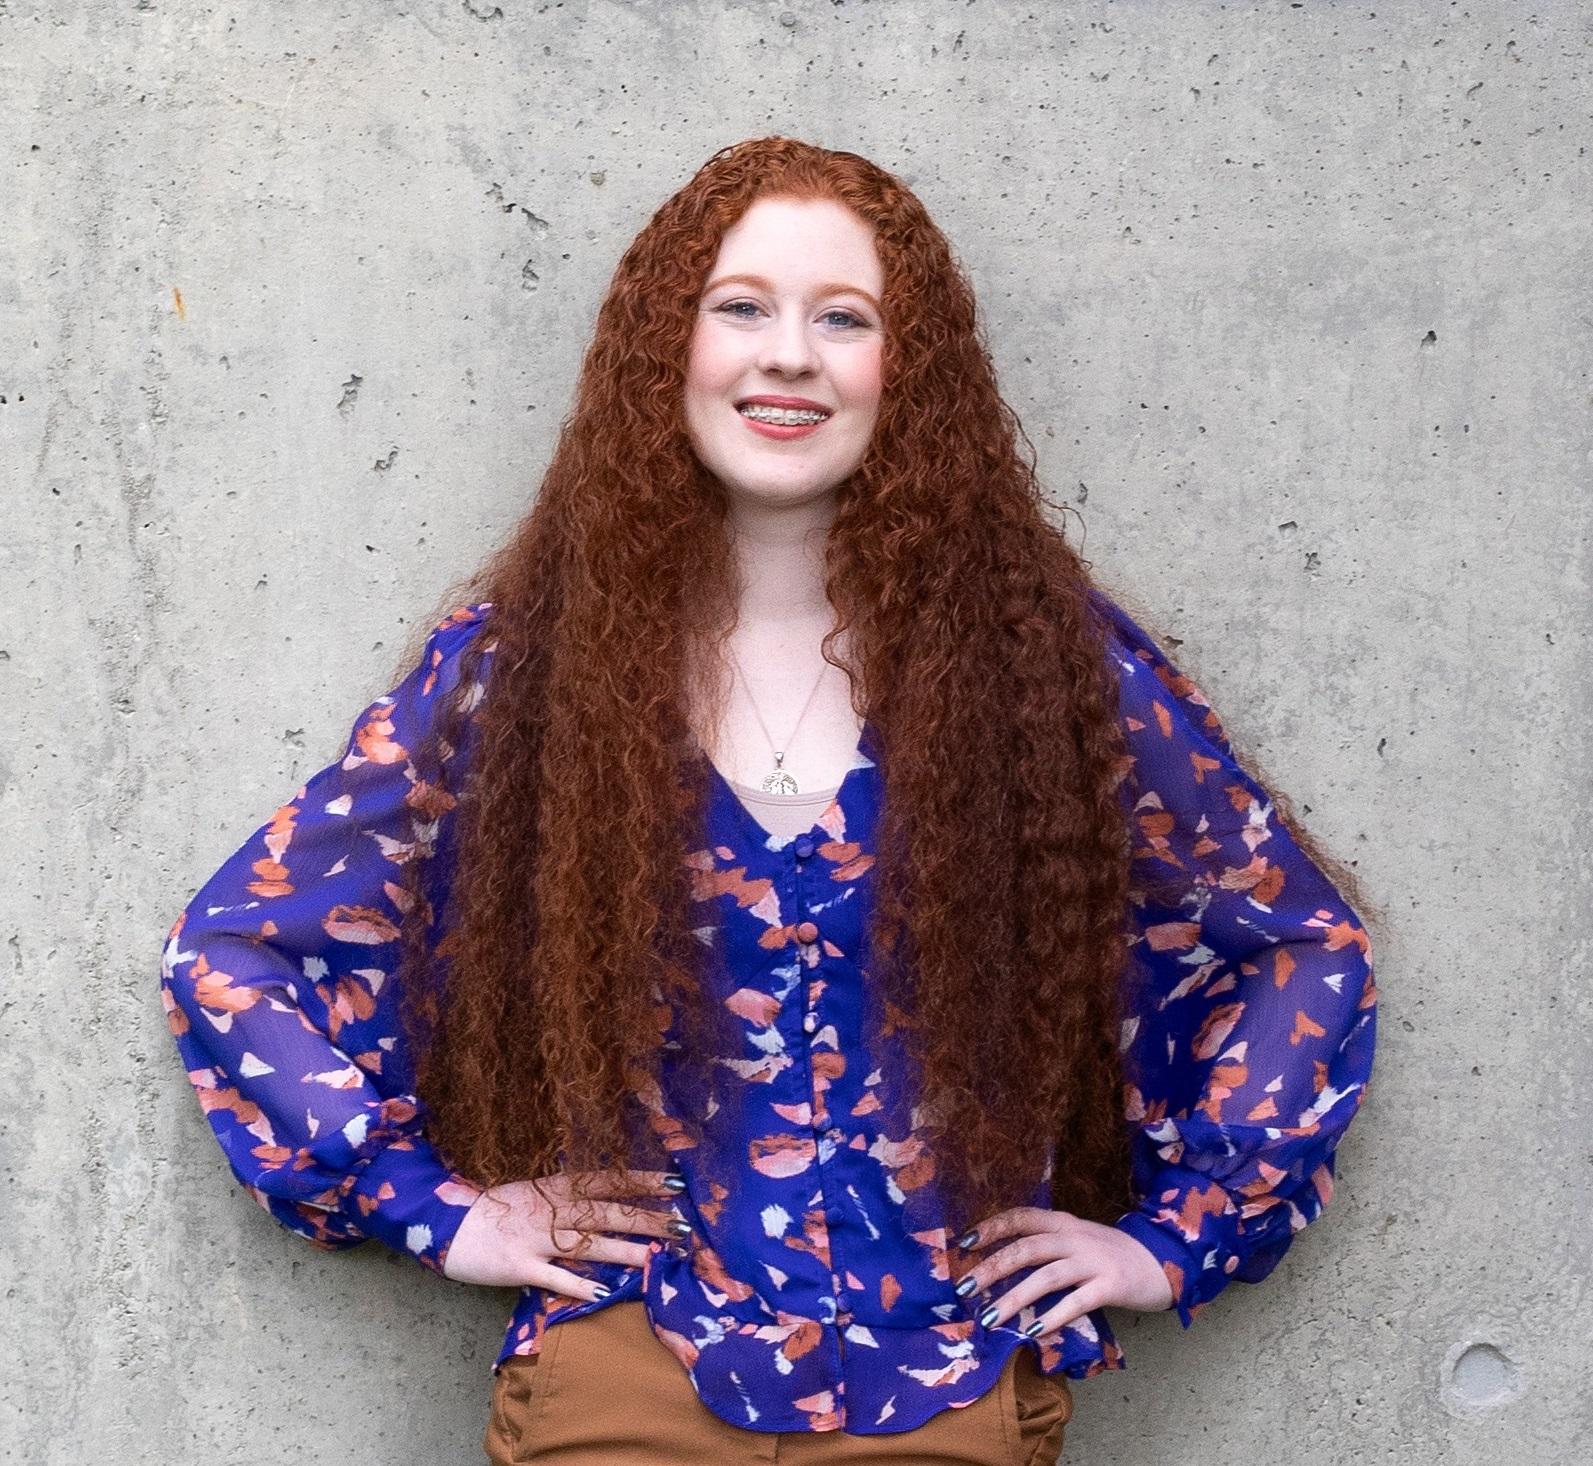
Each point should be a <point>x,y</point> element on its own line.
<point>1103,1265</point>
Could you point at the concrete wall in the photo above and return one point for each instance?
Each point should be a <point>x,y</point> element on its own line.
<point>1292,300</point>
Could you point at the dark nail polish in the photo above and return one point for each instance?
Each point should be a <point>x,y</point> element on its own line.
<point>677,1184</point>
<point>968,1239</point>
<point>1034,1330</point>
<point>600,1290</point>
<point>988,1317</point>
<point>680,1227</point>
<point>967,1285</point>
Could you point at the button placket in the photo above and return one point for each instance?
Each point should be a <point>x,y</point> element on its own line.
<point>806,930</point>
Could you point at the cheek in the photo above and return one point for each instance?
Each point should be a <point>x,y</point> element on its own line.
<point>694,373</point>
<point>863,378</point>
<point>708,365</point>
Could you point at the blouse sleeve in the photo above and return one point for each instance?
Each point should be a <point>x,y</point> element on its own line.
<point>277,981</point>
<point>1249,1033</point>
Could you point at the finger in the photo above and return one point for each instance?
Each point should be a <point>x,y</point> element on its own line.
<point>613,1216</point>
<point>610,1249</point>
<point>562,1280</point>
<point>988,1229</point>
<point>1012,1222</point>
<point>669,1183</point>
<point>1028,1251</point>
<point>1063,1273</point>
<point>629,1183</point>
<point>1089,1295</point>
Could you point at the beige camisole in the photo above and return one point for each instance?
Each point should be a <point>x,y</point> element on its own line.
<point>784,815</point>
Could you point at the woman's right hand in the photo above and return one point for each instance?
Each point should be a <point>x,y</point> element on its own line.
<point>511,1234</point>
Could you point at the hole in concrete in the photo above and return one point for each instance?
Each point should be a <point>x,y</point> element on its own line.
<point>1482,1376</point>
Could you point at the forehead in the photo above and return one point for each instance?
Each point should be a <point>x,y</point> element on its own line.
<point>798,242</point>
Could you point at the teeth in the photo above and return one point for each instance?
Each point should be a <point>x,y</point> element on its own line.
<point>784,416</point>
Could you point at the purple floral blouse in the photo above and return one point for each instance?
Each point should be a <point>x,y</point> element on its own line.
<point>814,1292</point>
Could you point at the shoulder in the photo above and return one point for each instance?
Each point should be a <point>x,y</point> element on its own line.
<point>1127,640</point>
<point>446,641</point>
<point>461,624</point>
<point>424,679</point>
<point>1133,652</point>
<point>1153,690</point>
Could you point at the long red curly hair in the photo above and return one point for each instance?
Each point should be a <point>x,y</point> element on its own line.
<point>1002,872</point>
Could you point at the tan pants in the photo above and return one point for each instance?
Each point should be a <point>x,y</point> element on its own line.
<point>605,1390</point>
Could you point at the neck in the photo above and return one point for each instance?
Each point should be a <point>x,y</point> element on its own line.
<point>779,552</point>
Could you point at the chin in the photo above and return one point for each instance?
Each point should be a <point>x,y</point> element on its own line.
<point>783,493</point>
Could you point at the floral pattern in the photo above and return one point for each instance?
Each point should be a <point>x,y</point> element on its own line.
<point>815,1291</point>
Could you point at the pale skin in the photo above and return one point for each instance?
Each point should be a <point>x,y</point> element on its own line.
<point>1103,1266</point>
<point>512,1237</point>
<point>791,308</point>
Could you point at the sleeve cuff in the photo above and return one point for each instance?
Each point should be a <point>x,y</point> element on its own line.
<point>407,1198</point>
<point>1178,1262</point>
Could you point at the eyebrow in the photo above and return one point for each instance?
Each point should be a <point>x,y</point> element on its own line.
<point>832,288</point>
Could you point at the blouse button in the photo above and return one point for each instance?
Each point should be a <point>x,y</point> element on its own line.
<point>805,847</point>
<point>810,1021</point>
<point>807,931</point>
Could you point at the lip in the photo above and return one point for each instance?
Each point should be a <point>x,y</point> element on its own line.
<point>799,403</point>
<point>780,432</point>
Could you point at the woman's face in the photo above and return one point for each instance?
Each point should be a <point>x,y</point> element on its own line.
<point>789,317</point>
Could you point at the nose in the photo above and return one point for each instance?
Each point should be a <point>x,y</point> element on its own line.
<point>787,348</point>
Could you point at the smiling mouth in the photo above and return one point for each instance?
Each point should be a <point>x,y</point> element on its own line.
<point>782,417</point>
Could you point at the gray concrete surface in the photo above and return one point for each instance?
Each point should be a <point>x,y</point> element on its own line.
<point>1292,300</point>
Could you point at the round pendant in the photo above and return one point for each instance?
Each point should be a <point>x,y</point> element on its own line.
<point>779,782</point>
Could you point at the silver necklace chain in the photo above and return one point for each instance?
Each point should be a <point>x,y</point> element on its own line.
<point>779,779</point>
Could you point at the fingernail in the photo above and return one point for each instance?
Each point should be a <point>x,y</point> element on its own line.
<point>600,1291</point>
<point>988,1317</point>
<point>677,1184</point>
<point>968,1239</point>
<point>967,1285</point>
<point>680,1228</point>
<point>1035,1329</point>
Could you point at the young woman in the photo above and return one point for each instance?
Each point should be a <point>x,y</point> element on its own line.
<point>788,920</point>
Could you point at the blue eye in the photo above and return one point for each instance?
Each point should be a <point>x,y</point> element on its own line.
<point>735,308</point>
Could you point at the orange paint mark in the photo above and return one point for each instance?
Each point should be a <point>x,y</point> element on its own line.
<point>1213,1033</point>
<point>1172,936</point>
<point>1305,1026</point>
